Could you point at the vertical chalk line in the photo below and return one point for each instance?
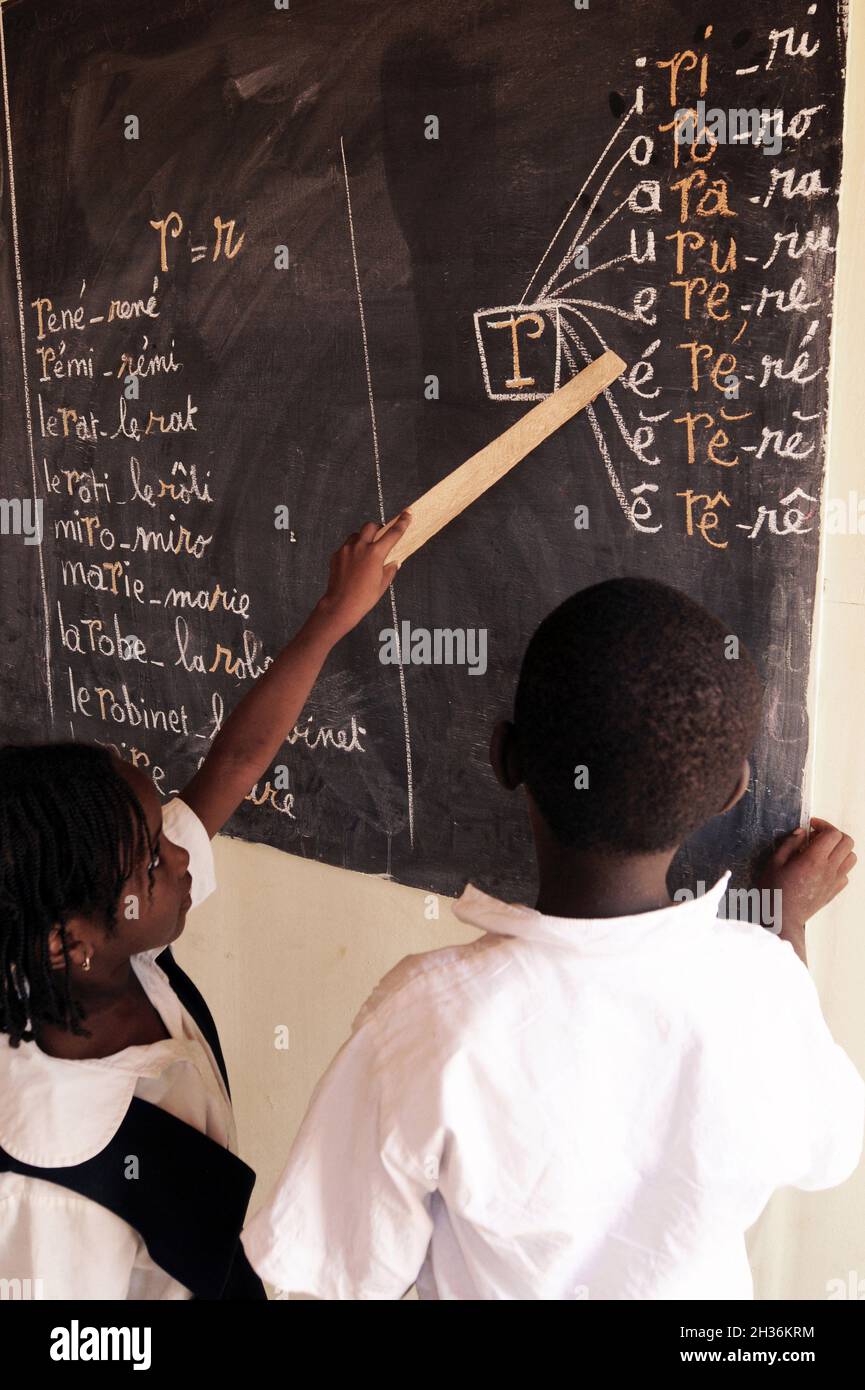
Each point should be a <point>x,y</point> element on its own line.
<point>23,333</point>
<point>403,696</point>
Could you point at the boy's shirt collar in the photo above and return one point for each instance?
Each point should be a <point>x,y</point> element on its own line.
<point>589,935</point>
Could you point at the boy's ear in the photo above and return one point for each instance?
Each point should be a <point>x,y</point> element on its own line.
<point>504,756</point>
<point>740,789</point>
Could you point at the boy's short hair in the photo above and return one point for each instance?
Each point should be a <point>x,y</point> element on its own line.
<point>635,682</point>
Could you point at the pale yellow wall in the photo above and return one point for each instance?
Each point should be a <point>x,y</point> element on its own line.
<point>285,941</point>
<point>288,942</point>
<point>806,1240</point>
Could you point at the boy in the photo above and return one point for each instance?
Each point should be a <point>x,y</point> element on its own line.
<point>597,1097</point>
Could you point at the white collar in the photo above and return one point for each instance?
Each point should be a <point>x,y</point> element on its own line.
<point>55,1111</point>
<point>589,935</point>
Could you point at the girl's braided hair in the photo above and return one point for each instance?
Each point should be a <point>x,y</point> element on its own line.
<point>72,830</point>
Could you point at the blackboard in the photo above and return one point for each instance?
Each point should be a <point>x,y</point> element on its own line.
<point>308,233</point>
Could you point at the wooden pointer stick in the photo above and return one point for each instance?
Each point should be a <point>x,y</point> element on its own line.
<point>466,483</point>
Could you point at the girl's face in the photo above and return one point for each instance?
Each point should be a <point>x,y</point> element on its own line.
<point>150,913</point>
<point>148,917</point>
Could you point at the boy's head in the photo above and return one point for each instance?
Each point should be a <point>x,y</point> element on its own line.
<point>87,880</point>
<point>634,715</point>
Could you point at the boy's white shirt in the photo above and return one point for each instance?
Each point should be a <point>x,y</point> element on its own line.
<point>55,1112</point>
<point>565,1109</point>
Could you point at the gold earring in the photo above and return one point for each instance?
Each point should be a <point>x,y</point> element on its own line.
<point>85,964</point>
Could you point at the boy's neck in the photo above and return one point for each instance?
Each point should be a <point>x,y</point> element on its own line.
<point>594,883</point>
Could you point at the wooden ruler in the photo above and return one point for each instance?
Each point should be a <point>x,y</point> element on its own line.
<point>465,484</point>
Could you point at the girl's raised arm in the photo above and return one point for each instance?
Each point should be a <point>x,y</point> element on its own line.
<point>256,729</point>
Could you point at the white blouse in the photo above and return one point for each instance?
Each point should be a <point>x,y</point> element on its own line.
<point>55,1112</point>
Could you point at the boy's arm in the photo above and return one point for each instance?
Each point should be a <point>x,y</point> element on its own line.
<point>815,1096</point>
<point>350,1216</point>
<point>804,874</point>
<point>820,1091</point>
<point>254,732</point>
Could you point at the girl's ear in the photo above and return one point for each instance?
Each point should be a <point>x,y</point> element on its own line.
<point>504,756</point>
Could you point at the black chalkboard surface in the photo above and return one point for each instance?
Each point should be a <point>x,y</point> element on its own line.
<point>269,271</point>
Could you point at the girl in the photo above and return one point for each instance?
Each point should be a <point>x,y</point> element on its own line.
<point>118,1176</point>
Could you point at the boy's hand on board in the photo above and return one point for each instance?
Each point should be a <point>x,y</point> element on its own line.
<point>359,575</point>
<point>808,873</point>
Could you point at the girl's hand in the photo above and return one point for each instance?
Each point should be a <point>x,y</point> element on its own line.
<point>808,874</point>
<point>359,575</point>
